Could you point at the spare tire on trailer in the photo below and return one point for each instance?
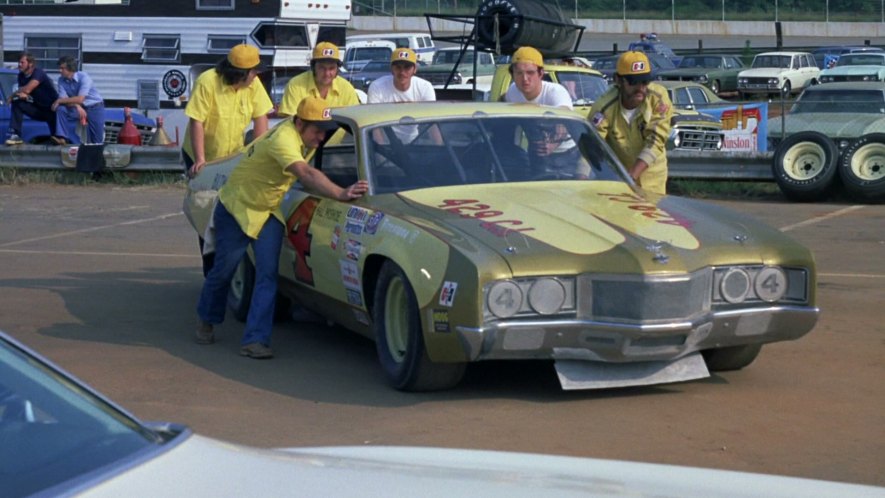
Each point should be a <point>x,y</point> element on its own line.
<point>804,166</point>
<point>519,24</point>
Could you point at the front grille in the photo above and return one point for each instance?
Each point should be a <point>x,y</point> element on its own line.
<point>440,78</point>
<point>700,139</point>
<point>112,129</point>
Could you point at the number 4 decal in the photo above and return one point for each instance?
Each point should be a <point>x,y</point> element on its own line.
<point>298,230</point>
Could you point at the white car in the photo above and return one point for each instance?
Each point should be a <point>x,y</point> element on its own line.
<point>779,72</point>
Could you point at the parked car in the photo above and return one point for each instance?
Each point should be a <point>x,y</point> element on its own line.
<point>691,96</point>
<point>469,246</point>
<point>421,43</point>
<point>860,66</point>
<point>442,70</point>
<point>360,53</point>
<point>779,72</point>
<point>656,47</point>
<point>62,438</point>
<point>717,72</point>
<point>584,85</point>
<point>35,132</point>
<point>833,129</point>
<point>370,72</point>
<point>827,56</point>
<point>607,65</point>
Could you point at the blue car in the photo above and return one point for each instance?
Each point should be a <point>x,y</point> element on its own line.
<point>37,132</point>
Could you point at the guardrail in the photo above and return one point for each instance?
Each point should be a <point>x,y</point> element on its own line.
<point>713,165</point>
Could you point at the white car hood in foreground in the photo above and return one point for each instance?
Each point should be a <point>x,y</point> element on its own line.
<point>207,467</point>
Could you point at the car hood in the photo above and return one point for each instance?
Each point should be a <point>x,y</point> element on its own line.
<point>833,124</point>
<point>206,467</point>
<point>569,225</point>
<point>852,70</point>
<point>690,72</point>
<point>762,72</point>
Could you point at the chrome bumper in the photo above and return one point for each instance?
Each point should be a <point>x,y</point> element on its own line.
<point>619,342</point>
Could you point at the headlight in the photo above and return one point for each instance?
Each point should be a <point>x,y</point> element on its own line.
<point>702,78</point>
<point>826,79</point>
<point>735,285</point>
<point>740,284</point>
<point>677,139</point>
<point>774,81</point>
<point>867,78</point>
<point>457,78</point>
<point>530,297</point>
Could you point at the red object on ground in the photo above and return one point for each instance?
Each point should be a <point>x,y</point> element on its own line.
<point>128,133</point>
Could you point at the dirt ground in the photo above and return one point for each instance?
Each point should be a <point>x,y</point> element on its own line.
<point>104,281</point>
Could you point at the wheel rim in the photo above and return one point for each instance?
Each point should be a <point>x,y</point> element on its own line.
<point>804,161</point>
<point>715,87</point>
<point>868,162</point>
<point>396,319</point>
<point>238,282</point>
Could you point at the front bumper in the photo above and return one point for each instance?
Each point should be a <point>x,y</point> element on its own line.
<point>618,342</point>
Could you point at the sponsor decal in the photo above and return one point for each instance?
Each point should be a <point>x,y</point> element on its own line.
<point>441,321</point>
<point>648,210</point>
<point>327,113</point>
<point>447,295</point>
<point>354,228</point>
<point>300,237</point>
<point>336,234</point>
<point>472,208</point>
<point>350,274</point>
<point>357,214</point>
<point>354,297</point>
<point>399,231</point>
<point>174,83</point>
<point>638,67</point>
<point>373,222</point>
<point>352,249</point>
<point>662,108</point>
<point>329,212</point>
<point>328,52</point>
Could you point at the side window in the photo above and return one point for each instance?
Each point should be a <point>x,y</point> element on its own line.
<point>420,41</point>
<point>428,42</point>
<point>161,48</point>
<point>215,4</point>
<point>221,44</point>
<point>697,95</point>
<point>682,97</point>
<point>48,48</point>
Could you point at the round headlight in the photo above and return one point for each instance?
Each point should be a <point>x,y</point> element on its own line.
<point>735,285</point>
<point>504,299</point>
<point>702,78</point>
<point>546,296</point>
<point>770,284</point>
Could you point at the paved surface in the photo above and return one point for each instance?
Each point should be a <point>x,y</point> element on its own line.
<point>104,281</point>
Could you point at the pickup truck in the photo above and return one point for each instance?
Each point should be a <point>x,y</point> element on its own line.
<point>437,73</point>
<point>37,132</point>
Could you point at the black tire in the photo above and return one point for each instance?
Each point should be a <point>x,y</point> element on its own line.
<point>208,259</point>
<point>731,358</point>
<point>399,338</point>
<point>862,168</point>
<point>804,166</point>
<point>715,87</point>
<point>786,89</point>
<point>239,299</point>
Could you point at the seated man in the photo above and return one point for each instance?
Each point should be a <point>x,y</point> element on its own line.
<point>34,98</point>
<point>78,102</point>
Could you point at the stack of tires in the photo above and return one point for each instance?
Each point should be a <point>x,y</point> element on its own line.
<point>808,166</point>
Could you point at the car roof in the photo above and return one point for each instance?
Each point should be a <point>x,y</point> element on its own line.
<point>839,48</point>
<point>783,53</point>
<point>848,85</point>
<point>365,115</point>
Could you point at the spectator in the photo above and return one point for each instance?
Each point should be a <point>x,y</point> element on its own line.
<point>248,212</point>
<point>222,104</point>
<point>78,102</point>
<point>402,86</point>
<point>633,117</point>
<point>322,81</point>
<point>35,95</point>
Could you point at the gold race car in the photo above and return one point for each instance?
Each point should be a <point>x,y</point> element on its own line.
<point>511,231</point>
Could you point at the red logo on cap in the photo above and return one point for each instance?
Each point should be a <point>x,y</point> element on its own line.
<point>328,51</point>
<point>638,66</point>
<point>327,113</point>
<point>404,55</point>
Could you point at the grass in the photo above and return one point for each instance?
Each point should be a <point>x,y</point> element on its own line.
<point>23,177</point>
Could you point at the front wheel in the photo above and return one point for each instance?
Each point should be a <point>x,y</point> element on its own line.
<point>399,338</point>
<point>805,165</point>
<point>786,89</point>
<point>863,168</point>
<point>731,358</point>
<point>714,87</point>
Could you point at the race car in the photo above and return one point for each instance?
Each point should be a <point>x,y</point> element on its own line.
<point>511,231</point>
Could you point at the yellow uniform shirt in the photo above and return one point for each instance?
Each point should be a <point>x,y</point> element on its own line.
<point>259,181</point>
<point>341,94</point>
<point>644,137</point>
<point>224,112</point>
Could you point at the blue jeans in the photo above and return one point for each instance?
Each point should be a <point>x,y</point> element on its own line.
<point>67,119</point>
<point>230,248</point>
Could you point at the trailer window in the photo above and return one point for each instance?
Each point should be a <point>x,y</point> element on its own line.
<point>48,48</point>
<point>269,35</point>
<point>161,48</point>
<point>215,4</point>
<point>221,44</point>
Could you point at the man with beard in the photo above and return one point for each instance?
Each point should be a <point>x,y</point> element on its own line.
<point>633,117</point>
<point>34,97</point>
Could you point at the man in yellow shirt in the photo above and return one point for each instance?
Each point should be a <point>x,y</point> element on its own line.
<point>321,81</point>
<point>248,213</point>
<point>222,104</point>
<point>633,117</point>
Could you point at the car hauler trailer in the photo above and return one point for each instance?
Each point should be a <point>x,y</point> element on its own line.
<point>140,51</point>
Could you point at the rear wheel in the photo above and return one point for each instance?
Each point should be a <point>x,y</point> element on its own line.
<point>399,338</point>
<point>805,166</point>
<point>731,358</point>
<point>863,168</point>
<point>714,86</point>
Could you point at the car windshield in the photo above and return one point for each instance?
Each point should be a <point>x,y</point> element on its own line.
<point>486,150</point>
<point>861,60</point>
<point>609,63</point>
<point>376,66</point>
<point>52,430</point>
<point>451,57</point>
<point>369,54</point>
<point>690,61</point>
<point>841,101</point>
<point>779,61</point>
<point>584,88</point>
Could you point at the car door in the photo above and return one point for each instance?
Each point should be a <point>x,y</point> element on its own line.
<point>733,66</point>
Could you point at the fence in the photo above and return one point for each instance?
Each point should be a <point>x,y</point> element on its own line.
<point>676,10</point>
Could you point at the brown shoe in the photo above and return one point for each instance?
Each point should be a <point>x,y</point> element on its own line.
<point>58,140</point>
<point>204,334</point>
<point>257,351</point>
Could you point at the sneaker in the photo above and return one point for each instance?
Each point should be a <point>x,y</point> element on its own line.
<point>256,350</point>
<point>58,140</point>
<point>14,140</point>
<point>204,334</point>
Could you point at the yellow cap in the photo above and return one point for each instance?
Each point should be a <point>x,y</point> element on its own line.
<point>316,111</point>
<point>404,55</point>
<point>326,51</point>
<point>527,54</point>
<point>244,56</point>
<point>634,65</point>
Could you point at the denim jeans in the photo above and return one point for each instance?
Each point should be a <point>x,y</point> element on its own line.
<point>67,119</point>
<point>230,247</point>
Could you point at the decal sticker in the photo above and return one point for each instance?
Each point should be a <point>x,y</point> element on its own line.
<point>352,249</point>
<point>373,222</point>
<point>647,209</point>
<point>354,297</point>
<point>350,274</point>
<point>441,321</point>
<point>353,228</point>
<point>174,83</point>
<point>662,108</point>
<point>398,231</point>
<point>329,212</point>
<point>472,208</point>
<point>361,316</point>
<point>357,215</point>
<point>336,234</point>
<point>598,119</point>
<point>447,295</point>
<point>298,230</point>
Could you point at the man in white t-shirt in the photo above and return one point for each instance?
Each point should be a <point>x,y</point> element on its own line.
<point>401,85</point>
<point>552,148</point>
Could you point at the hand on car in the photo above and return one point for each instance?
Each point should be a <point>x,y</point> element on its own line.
<point>355,191</point>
